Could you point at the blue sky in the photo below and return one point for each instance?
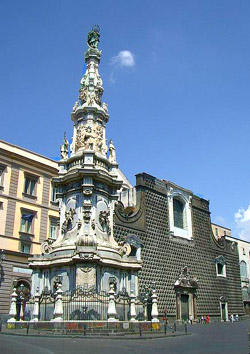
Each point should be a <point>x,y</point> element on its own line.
<point>179,111</point>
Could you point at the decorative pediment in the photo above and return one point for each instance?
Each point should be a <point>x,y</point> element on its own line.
<point>134,241</point>
<point>186,280</point>
<point>220,259</point>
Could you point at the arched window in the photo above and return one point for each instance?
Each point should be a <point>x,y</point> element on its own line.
<point>243,269</point>
<point>178,213</point>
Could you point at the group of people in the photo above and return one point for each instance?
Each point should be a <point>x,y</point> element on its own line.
<point>234,318</point>
<point>205,319</point>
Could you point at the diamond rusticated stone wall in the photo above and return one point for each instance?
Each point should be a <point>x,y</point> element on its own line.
<point>164,256</point>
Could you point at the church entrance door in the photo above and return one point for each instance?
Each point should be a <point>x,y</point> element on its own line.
<point>224,312</point>
<point>184,307</point>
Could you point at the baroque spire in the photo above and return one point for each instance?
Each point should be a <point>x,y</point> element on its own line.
<point>90,114</point>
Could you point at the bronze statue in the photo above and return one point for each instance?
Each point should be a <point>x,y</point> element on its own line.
<point>94,37</point>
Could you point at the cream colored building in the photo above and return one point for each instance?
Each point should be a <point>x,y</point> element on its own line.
<point>219,231</point>
<point>244,263</point>
<point>28,214</point>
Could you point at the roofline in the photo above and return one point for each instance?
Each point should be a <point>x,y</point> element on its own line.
<point>31,152</point>
<point>223,227</point>
<point>238,239</point>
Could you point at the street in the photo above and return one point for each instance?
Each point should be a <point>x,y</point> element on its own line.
<point>227,338</point>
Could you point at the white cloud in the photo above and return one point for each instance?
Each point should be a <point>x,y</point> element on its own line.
<point>124,58</point>
<point>242,220</point>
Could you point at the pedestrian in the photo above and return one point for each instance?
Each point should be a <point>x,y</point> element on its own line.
<point>207,319</point>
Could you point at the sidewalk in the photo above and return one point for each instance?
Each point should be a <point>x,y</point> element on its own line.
<point>90,335</point>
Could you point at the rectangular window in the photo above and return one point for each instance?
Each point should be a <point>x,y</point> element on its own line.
<point>26,222</point>
<point>29,185</point>
<point>53,194</point>
<point>178,213</point>
<point>53,228</point>
<point>221,269</point>
<point>2,168</point>
<point>25,248</point>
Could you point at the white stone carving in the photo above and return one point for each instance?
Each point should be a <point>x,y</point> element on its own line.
<point>112,152</point>
<point>154,312</point>
<point>111,306</point>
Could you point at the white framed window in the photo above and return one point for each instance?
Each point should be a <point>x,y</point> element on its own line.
<point>180,219</point>
<point>26,221</point>
<point>30,184</point>
<point>220,264</point>
<point>2,170</point>
<point>53,194</point>
<point>25,248</point>
<point>53,231</point>
<point>243,269</point>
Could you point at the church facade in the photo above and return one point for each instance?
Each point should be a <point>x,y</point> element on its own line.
<point>195,273</point>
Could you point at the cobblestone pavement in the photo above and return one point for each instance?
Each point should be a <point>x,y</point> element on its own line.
<point>226,338</point>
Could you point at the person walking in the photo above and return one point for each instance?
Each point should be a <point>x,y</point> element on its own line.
<point>207,319</point>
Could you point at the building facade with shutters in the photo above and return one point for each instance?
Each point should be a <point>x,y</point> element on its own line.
<point>28,214</point>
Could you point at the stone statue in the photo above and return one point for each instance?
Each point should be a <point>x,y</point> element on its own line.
<point>76,105</point>
<point>94,37</point>
<point>112,152</point>
<point>64,148</point>
<point>105,107</point>
<point>72,147</point>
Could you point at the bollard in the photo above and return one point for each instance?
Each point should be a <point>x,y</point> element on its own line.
<point>13,312</point>
<point>186,328</point>
<point>132,307</point>
<point>111,305</point>
<point>165,329</point>
<point>175,327</point>
<point>36,306</point>
<point>154,311</point>
<point>27,329</point>
<point>58,311</point>
<point>140,329</point>
<point>84,329</point>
